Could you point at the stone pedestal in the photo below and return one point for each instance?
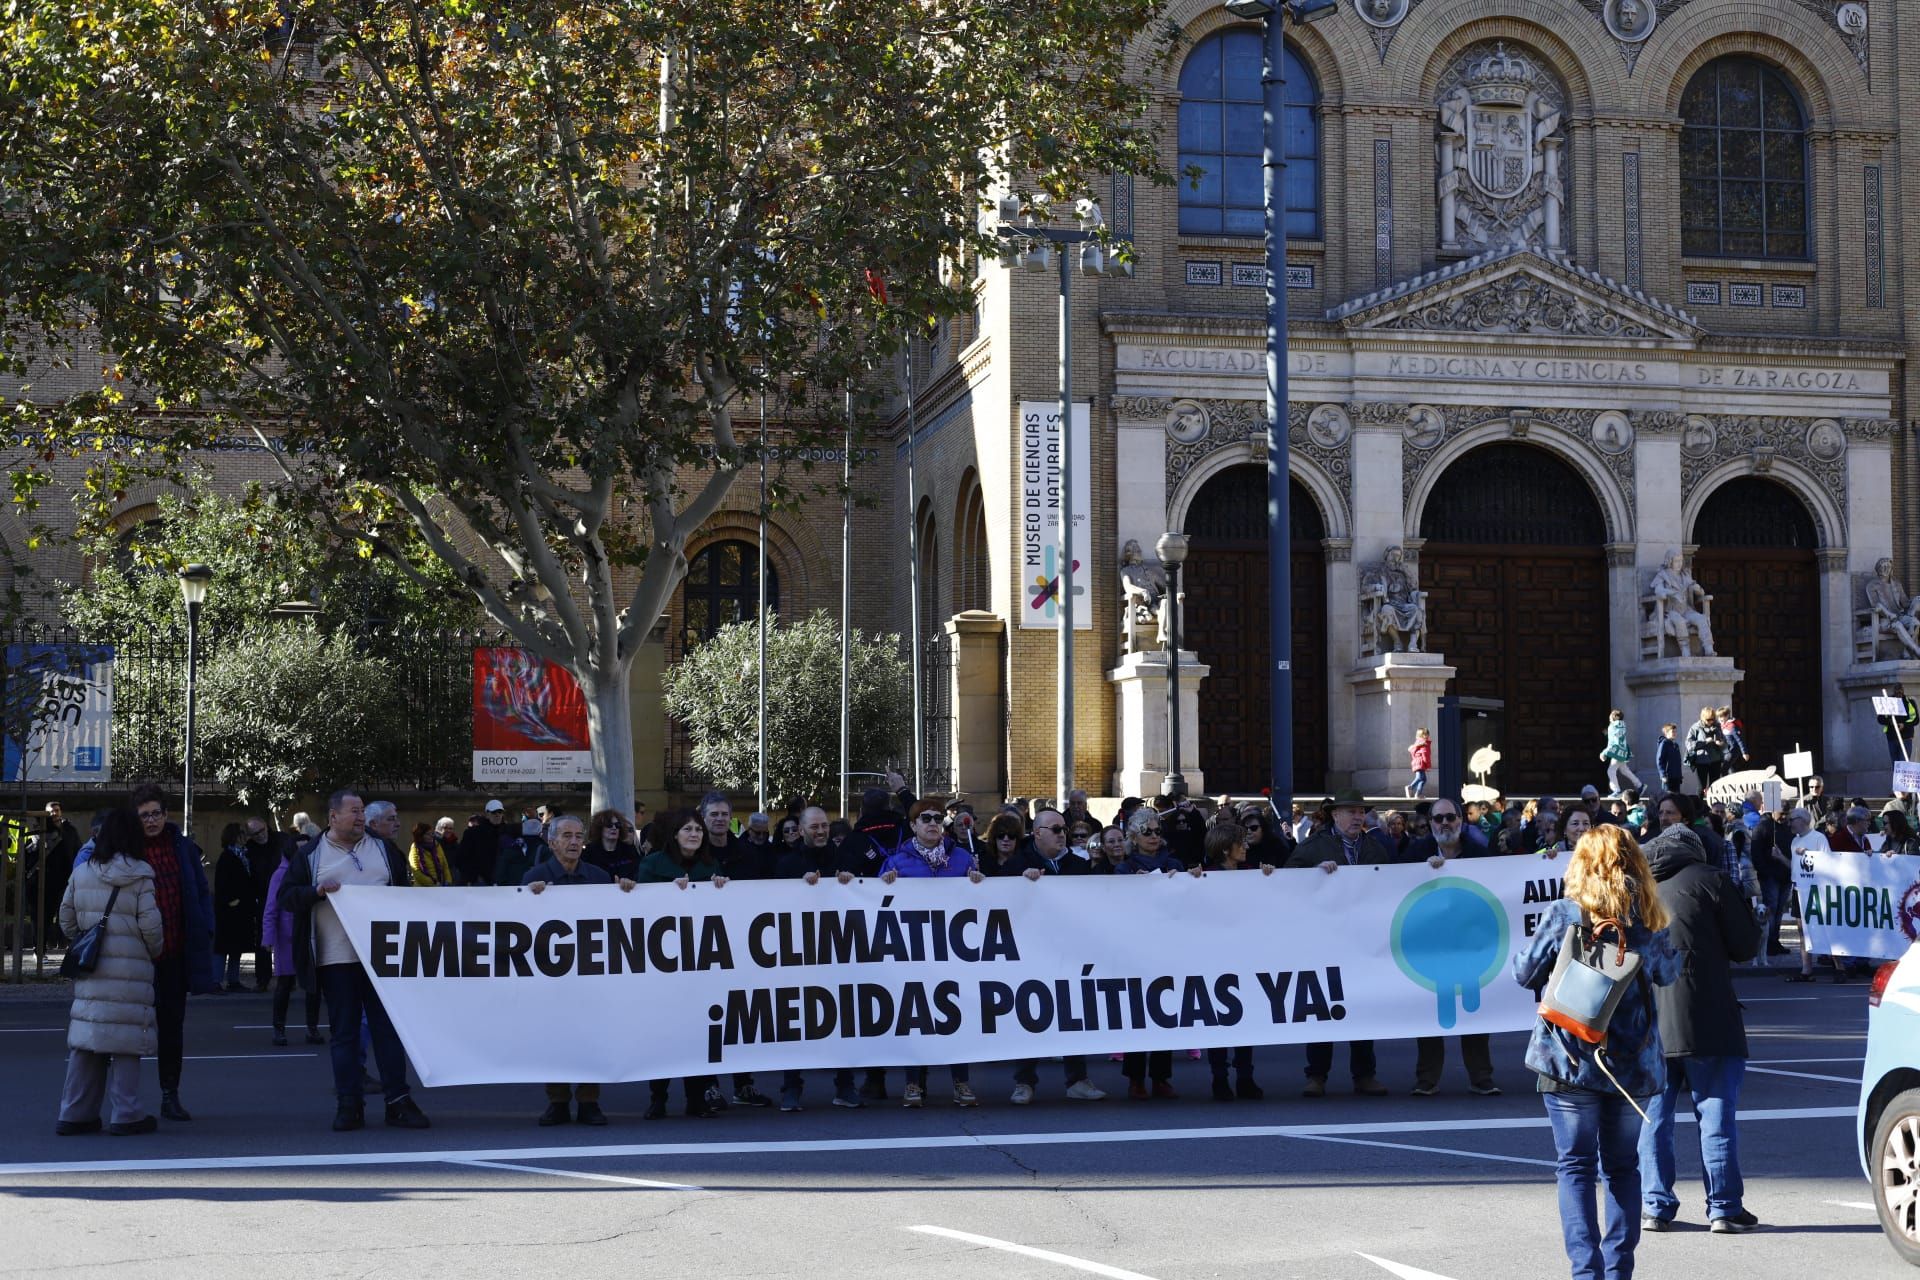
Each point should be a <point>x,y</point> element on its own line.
<point>1140,698</point>
<point>1394,694</point>
<point>979,742</point>
<point>1668,691</point>
<point>1861,765</point>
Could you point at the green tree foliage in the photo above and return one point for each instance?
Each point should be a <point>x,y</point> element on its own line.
<point>507,271</point>
<point>264,552</point>
<point>714,692</point>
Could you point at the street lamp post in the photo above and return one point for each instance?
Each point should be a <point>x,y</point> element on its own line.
<point>1172,549</point>
<point>1272,15</point>
<point>1032,245</point>
<point>195,579</point>
<point>760,701</point>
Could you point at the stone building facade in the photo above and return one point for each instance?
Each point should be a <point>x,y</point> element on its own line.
<point>1573,285</point>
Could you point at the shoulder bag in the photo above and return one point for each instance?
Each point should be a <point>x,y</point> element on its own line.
<point>83,957</point>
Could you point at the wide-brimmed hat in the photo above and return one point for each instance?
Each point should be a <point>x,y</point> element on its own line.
<point>1348,799</point>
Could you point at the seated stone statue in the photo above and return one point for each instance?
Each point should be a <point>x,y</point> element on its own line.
<point>1686,608</point>
<point>1143,589</point>
<point>1393,609</point>
<point>1893,609</point>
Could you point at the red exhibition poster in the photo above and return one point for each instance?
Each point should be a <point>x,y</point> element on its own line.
<point>529,720</point>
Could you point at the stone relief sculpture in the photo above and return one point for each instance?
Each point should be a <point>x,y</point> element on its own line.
<point>1630,21</point>
<point>1678,609</point>
<point>1393,609</point>
<point>1143,589</point>
<point>1500,149</point>
<point>1889,620</point>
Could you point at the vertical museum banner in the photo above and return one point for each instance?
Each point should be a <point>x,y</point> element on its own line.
<point>1040,495</point>
<point>58,715</point>
<point>529,720</point>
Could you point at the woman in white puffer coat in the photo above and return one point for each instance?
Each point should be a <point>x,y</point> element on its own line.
<point>112,1025</point>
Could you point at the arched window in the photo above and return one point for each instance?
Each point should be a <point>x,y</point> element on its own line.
<point>1220,126</point>
<point>723,586</point>
<point>973,574</point>
<point>1743,163</point>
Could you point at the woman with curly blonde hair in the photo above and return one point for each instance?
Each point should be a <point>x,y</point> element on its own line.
<point>1589,1089</point>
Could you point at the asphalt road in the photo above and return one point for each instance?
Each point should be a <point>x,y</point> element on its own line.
<point>1453,1187</point>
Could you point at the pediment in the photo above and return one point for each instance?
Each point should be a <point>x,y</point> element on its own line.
<point>1518,291</point>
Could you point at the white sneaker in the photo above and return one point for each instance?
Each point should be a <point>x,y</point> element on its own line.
<point>1022,1095</point>
<point>1085,1091</point>
<point>914,1096</point>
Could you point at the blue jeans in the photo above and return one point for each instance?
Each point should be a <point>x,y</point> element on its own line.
<point>1775,894</point>
<point>1594,1137</point>
<point>1418,787</point>
<point>1714,1086</point>
<point>350,995</point>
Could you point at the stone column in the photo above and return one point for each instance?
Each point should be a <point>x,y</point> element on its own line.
<point>1840,751</point>
<point>1858,764</point>
<point>1140,699</point>
<point>1623,623</point>
<point>1379,513</point>
<point>1342,621</point>
<point>1672,691</point>
<point>1550,148</point>
<point>1393,694</point>
<point>979,703</point>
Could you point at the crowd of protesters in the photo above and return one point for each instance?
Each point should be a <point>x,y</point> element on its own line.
<point>1720,872</point>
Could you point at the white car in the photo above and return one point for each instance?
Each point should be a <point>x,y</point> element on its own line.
<point>1889,1117</point>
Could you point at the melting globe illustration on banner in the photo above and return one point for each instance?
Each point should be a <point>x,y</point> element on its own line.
<point>1450,936</point>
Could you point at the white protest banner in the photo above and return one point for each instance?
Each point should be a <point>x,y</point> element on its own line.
<point>589,983</point>
<point>1040,515</point>
<point>1906,776</point>
<point>1886,706</point>
<point>1797,765</point>
<point>1859,904</point>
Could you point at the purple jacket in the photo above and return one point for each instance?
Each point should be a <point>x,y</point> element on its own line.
<point>905,862</point>
<point>276,928</point>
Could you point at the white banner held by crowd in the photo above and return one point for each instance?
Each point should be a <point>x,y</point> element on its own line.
<point>1859,904</point>
<point>592,984</point>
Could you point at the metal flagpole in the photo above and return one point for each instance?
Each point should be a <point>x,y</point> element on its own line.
<point>1064,780</point>
<point>913,580</point>
<point>1279,515</point>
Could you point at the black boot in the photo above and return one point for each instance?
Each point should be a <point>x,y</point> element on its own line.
<point>349,1115</point>
<point>1222,1091</point>
<point>170,1105</point>
<point>279,1037</point>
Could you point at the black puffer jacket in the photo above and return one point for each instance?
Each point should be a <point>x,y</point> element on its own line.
<point>1712,927</point>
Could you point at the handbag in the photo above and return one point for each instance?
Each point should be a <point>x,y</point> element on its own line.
<point>83,957</point>
<point>1587,986</point>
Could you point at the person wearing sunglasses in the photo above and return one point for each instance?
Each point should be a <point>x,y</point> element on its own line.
<point>1044,854</point>
<point>1453,837</point>
<point>929,854</point>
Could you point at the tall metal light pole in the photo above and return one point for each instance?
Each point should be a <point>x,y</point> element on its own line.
<point>1033,247</point>
<point>194,581</point>
<point>1272,15</point>
<point>846,600</point>
<point>1172,550</point>
<point>761,704</point>
<point>913,583</point>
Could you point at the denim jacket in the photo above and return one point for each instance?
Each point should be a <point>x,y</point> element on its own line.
<point>1633,1036</point>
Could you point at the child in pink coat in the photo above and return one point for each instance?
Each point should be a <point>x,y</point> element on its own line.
<point>1421,756</point>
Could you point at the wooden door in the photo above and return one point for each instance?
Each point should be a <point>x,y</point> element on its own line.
<point>1528,626</point>
<point>1227,594</point>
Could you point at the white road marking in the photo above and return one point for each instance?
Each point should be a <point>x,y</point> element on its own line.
<point>14,1031</point>
<point>1402,1270</point>
<point>1850,1204</point>
<point>266,1026</point>
<point>1794,1062</point>
<point>813,1146</point>
<point>1028,1251</point>
<point>1777,999</point>
<point>576,1173</point>
<point>1437,1151</point>
<point>236,1057</point>
<point>1802,1075</point>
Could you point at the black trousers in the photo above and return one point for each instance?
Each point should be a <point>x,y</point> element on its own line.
<point>170,1015</point>
<point>1431,1059</point>
<point>1156,1064</point>
<point>283,996</point>
<point>1242,1061</point>
<point>1359,1055</point>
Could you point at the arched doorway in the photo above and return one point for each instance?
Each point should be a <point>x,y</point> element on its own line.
<point>1226,583</point>
<point>1515,570</point>
<point>1756,559</point>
